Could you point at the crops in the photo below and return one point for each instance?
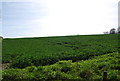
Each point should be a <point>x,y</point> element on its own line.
<point>23,52</point>
<point>0,57</point>
<point>81,57</point>
<point>88,70</point>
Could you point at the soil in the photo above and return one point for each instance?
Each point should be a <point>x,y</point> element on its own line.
<point>4,66</point>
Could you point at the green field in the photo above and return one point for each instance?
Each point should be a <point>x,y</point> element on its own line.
<point>82,57</point>
<point>0,57</point>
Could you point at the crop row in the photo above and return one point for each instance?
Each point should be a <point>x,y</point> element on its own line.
<point>23,52</point>
<point>89,70</point>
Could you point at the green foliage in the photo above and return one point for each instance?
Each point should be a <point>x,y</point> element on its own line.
<point>23,52</point>
<point>0,58</point>
<point>82,58</point>
<point>91,70</point>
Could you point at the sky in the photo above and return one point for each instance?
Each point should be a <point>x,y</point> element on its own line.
<point>41,18</point>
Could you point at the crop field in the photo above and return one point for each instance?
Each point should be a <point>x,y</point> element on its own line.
<point>82,57</point>
<point>0,58</point>
<point>0,49</point>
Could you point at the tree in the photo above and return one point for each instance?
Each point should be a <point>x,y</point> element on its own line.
<point>112,31</point>
<point>118,30</point>
<point>105,32</point>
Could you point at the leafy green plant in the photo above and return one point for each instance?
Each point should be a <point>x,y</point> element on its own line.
<point>65,70</point>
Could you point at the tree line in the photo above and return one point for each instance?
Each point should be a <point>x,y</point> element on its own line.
<point>113,31</point>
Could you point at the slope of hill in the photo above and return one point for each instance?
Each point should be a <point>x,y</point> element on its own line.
<point>80,57</point>
<point>23,52</point>
<point>88,70</point>
<point>0,57</point>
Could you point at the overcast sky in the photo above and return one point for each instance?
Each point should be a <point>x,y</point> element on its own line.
<point>58,17</point>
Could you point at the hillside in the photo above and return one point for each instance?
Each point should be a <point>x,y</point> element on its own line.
<point>94,53</point>
<point>0,57</point>
<point>88,70</point>
<point>22,52</point>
